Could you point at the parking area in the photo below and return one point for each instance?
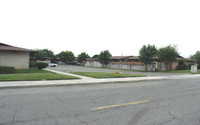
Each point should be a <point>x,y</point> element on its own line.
<point>74,68</point>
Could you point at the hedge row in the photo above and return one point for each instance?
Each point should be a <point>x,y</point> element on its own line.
<point>10,70</point>
<point>6,70</point>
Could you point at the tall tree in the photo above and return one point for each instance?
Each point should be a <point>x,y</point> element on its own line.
<point>49,53</point>
<point>42,53</point>
<point>95,56</point>
<point>167,54</point>
<point>82,57</point>
<point>104,57</point>
<point>196,56</point>
<point>67,56</point>
<point>147,53</point>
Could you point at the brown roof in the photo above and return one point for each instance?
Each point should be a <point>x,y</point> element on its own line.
<point>92,59</point>
<point>129,58</point>
<point>133,57</point>
<point>155,57</point>
<point>120,57</point>
<point>6,47</point>
<point>191,60</point>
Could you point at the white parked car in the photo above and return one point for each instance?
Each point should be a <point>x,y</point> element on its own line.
<point>53,64</point>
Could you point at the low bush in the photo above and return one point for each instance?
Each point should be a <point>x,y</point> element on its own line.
<point>6,70</point>
<point>182,66</point>
<point>32,64</point>
<point>41,65</point>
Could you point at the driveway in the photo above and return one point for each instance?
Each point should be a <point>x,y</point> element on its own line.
<point>74,68</point>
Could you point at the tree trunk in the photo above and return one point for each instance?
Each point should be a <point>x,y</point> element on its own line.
<point>145,66</point>
<point>167,66</point>
<point>82,64</point>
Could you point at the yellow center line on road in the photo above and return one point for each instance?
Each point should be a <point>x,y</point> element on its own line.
<point>124,104</point>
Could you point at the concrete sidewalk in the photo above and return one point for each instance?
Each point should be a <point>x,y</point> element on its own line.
<point>86,80</point>
<point>70,74</point>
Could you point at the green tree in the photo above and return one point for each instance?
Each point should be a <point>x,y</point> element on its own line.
<point>196,56</point>
<point>42,53</point>
<point>82,57</point>
<point>147,53</point>
<point>104,57</point>
<point>167,54</point>
<point>49,53</point>
<point>67,56</point>
<point>95,56</point>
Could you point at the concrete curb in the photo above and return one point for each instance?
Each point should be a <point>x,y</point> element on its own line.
<point>87,81</point>
<point>30,84</point>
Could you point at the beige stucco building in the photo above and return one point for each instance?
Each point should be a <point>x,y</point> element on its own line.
<point>14,56</point>
<point>133,63</point>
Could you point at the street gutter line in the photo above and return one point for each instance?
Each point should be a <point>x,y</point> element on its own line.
<point>119,105</point>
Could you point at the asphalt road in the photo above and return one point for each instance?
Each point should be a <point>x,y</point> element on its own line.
<point>74,68</point>
<point>168,102</point>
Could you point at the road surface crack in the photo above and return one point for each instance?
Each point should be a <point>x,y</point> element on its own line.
<point>2,105</point>
<point>84,122</point>
<point>172,119</point>
<point>138,116</point>
<point>61,100</point>
<point>13,118</point>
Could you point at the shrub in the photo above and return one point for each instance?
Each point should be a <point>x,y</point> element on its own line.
<point>189,66</point>
<point>6,70</point>
<point>198,66</point>
<point>182,66</point>
<point>32,64</point>
<point>41,65</point>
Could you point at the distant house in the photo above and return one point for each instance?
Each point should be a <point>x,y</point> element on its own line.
<point>14,56</point>
<point>133,63</point>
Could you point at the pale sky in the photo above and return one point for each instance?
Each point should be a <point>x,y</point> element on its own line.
<point>121,26</point>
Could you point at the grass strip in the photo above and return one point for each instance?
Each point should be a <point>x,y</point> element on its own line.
<point>107,75</point>
<point>180,71</point>
<point>31,70</point>
<point>35,77</point>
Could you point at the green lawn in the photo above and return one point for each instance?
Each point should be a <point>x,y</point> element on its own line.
<point>31,70</point>
<point>33,74</point>
<point>180,71</point>
<point>107,75</point>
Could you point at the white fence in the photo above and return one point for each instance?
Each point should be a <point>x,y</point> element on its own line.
<point>117,66</point>
<point>159,65</point>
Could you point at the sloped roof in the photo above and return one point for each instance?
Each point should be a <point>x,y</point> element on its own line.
<point>5,47</point>
<point>130,58</point>
<point>92,59</point>
<point>133,57</point>
<point>190,60</point>
<point>120,57</point>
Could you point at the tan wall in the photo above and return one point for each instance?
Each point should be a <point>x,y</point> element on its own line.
<point>174,65</point>
<point>19,60</point>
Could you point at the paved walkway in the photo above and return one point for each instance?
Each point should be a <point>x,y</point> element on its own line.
<point>86,80</point>
<point>70,74</point>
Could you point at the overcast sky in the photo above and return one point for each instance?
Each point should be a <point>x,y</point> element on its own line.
<point>121,26</point>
